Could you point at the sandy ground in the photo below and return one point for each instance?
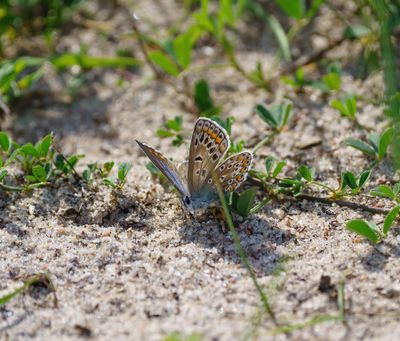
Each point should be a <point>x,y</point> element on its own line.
<point>135,266</point>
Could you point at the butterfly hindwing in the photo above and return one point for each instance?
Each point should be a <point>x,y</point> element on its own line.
<point>165,166</point>
<point>208,146</point>
<point>233,171</point>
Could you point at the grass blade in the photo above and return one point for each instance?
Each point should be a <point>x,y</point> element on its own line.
<point>241,251</point>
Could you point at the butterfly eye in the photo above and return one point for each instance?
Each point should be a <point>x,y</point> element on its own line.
<point>187,200</point>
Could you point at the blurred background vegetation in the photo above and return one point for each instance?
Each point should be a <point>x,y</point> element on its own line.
<point>32,31</point>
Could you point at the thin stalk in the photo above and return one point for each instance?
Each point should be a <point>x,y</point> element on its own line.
<point>325,200</point>
<point>266,140</point>
<point>11,188</point>
<point>241,251</point>
<point>74,172</point>
<point>322,185</point>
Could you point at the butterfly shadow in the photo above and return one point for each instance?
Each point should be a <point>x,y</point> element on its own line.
<point>259,238</point>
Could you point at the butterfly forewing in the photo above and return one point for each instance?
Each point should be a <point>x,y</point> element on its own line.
<point>233,171</point>
<point>165,166</point>
<point>208,146</point>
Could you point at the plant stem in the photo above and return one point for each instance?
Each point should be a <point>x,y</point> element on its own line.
<point>11,188</point>
<point>236,65</point>
<point>74,172</point>
<point>322,185</point>
<point>266,140</point>
<point>241,251</point>
<point>344,203</point>
<point>327,200</point>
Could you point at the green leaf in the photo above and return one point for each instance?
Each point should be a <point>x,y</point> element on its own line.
<point>390,218</point>
<point>351,104</point>
<point>306,173</point>
<point>107,167</point>
<point>68,60</point>
<point>356,31</point>
<point>363,228</point>
<point>245,202</point>
<point>6,298</point>
<point>29,149</point>
<point>361,146</point>
<point>383,191</point>
<point>204,22</point>
<point>396,188</point>
<point>5,141</point>
<point>259,206</point>
<point>29,79</point>
<point>73,160</point>
<point>385,140</point>
<point>276,28</point>
<point>87,175</point>
<point>123,170</point>
<point>31,178</point>
<point>350,180</point>
<point>177,141</point>
<point>59,161</point>
<point>109,182</point>
<point>164,133</point>
<point>202,97</point>
<point>278,169</point>
<point>182,46</point>
<point>338,105</point>
<point>364,176</point>
<point>332,81</point>
<point>3,174</point>
<point>266,116</point>
<point>44,144</point>
<point>292,8</point>
<point>164,62</point>
<point>39,173</point>
<point>280,36</point>
<point>269,162</point>
<point>226,14</point>
<point>175,124</point>
<point>373,140</point>
<point>313,8</point>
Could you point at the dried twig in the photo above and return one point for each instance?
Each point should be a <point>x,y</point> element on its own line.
<point>328,201</point>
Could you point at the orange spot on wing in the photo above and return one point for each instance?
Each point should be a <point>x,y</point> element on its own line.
<point>218,140</point>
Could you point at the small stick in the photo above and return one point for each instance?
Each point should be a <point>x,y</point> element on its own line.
<point>328,201</point>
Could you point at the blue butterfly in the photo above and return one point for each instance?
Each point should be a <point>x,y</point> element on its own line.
<point>208,146</point>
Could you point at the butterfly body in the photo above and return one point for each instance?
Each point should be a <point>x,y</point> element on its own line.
<point>208,146</point>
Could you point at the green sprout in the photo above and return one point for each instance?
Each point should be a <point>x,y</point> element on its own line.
<point>376,145</point>
<point>172,128</point>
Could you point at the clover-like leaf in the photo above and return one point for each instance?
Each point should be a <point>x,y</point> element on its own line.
<point>364,228</point>
<point>384,141</point>
<point>44,144</point>
<point>361,146</point>
<point>5,141</point>
<point>306,173</point>
<point>383,191</point>
<point>390,218</point>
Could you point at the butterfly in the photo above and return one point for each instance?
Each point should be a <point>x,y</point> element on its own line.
<point>209,144</point>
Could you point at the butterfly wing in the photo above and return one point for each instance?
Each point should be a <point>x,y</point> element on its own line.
<point>165,166</point>
<point>208,146</point>
<point>233,171</point>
